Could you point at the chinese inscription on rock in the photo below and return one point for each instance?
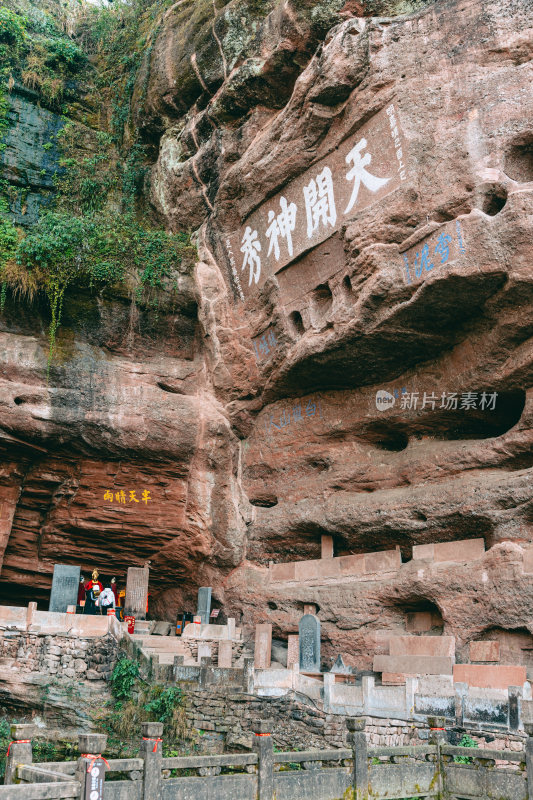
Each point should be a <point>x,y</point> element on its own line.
<point>437,251</point>
<point>366,167</point>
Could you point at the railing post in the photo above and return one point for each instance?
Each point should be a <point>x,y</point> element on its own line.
<point>528,727</point>
<point>357,739</point>
<point>461,692</point>
<point>248,676</point>
<point>19,751</point>
<point>90,771</point>
<point>438,736</point>
<point>329,683</point>
<point>265,753</point>
<point>152,752</point>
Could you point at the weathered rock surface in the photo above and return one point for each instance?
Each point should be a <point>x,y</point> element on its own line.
<point>251,454</point>
<point>28,161</point>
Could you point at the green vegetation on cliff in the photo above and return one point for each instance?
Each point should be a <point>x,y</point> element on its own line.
<point>83,61</point>
<point>135,701</point>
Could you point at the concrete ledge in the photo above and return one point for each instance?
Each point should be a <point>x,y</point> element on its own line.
<point>462,550</point>
<point>414,665</point>
<point>323,569</point>
<point>422,646</point>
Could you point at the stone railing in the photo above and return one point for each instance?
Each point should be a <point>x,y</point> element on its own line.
<point>431,770</point>
<point>52,622</point>
<point>366,566</point>
<point>495,710</point>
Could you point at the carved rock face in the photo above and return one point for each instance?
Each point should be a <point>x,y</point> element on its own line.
<point>374,386</point>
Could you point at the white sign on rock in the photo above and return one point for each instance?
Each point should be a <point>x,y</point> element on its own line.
<point>364,168</point>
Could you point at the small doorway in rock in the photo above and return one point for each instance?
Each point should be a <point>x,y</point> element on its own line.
<point>423,619</point>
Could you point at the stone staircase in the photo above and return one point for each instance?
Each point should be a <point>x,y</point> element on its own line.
<point>166,647</point>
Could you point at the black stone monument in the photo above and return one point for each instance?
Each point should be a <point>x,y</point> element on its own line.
<point>204,604</point>
<point>309,631</point>
<point>65,585</point>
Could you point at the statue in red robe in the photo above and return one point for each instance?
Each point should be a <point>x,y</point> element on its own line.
<point>93,589</point>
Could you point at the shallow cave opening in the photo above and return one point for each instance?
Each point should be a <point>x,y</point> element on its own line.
<point>518,161</point>
<point>515,644</point>
<point>420,616</point>
<point>322,299</point>
<point>494,200</point>
<point>17,594</point>
<point>264,501</point>
<point>387,437</point>
<point>296,322</point>
<point>499,415</point>
<point>347,286</point>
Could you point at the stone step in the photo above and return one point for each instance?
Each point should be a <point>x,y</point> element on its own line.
<point>143,626</point>
<point>171,644</point>
<point>168,658</point>
<point>151,652</point>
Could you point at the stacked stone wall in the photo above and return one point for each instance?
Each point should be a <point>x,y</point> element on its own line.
<point>59,656</point>
<point>190,646</point>
<point>230,718</point>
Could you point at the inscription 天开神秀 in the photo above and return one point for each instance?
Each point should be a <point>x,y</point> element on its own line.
<point>366,167</point>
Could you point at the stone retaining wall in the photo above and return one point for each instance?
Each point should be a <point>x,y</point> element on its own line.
<point>229,718</point>
<point>59,656</point>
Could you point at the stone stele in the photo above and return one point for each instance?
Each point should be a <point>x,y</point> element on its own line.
<point>64,587</point>
<point>137,592</point>
<point>309,643</point>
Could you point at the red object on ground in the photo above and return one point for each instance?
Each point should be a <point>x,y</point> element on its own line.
<point>131,624</point>
<point>111,613</point>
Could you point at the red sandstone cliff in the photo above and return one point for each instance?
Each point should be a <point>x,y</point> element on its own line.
<point>222,433</point>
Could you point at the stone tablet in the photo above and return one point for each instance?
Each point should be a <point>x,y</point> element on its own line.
<point>64,587</point>
<point>204,604</point>
<point>293,651</point>
<point>309,643</point>
<point>224,654</point>
<point>263,646</point>
<point>136,592</point>
<point>204,651</point>
<point>326,546</point>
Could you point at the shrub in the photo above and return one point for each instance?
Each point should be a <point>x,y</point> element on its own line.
<point>12,36</point>
<point>466,741</point>
<point>4,744</point>
<point>123,679</point>
<point>164,705</point>
<point>8,247</point>
<point>95,250</point>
